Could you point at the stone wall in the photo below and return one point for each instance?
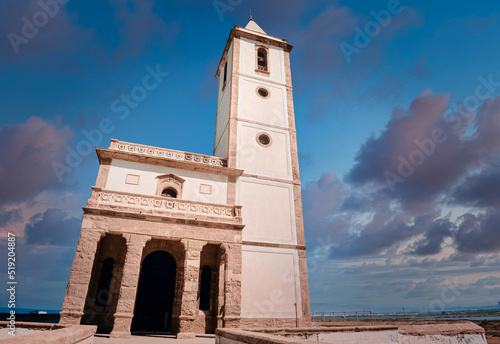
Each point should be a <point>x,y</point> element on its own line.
<point>51,333</point>
<point>446,333</point>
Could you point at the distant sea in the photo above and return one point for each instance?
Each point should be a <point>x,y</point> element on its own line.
<point>28,310</point>
<point>471,318</point>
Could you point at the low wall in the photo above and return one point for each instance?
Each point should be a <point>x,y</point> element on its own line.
<point>455,333</point>
<point>51,333</point>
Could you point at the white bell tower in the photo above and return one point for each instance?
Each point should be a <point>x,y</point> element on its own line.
<point>255,131</point>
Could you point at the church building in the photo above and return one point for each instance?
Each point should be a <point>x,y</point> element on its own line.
<point>184,243</point>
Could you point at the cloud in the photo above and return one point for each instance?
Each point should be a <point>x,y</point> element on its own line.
<point>423,153</point>
<point>382,232</point>
<point>7,217</point>
<point>479,233</point>
<point>363,217</point>
<point>58,40</point>
<point>408,17</point>
<point>321,198</point>
<point>25,166</point>
<point>319,43</point>
<point>434,238</point>
<point>64,43</point>
<point>481,189</point>
<point>52,228</point>
<point>140,25</point>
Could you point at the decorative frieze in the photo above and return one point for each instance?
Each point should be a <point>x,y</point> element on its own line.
<point>167,153</point>
<point>163,206</point>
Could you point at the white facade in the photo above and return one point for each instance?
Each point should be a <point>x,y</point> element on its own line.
<point>267,190</point>
<point>145,181</point>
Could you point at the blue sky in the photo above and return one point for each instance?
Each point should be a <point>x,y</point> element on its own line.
<point>399,142</point>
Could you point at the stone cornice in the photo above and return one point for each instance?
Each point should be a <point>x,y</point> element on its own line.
<point>166,157</point>
<point>269,244</point>
<point>238,32</point>
<point>162,208</point>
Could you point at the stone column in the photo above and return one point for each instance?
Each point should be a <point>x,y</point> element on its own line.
<point>189,305</point>
<point>81,273</point>
<point>232,288</point>
<point>128,289</point>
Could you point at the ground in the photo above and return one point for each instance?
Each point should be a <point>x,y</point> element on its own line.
<point>492,328</point>
<point>154,339</point>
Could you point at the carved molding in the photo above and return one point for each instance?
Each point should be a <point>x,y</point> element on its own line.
<point>169,207</point>
<point>167,153</point>
<point>169,181</point>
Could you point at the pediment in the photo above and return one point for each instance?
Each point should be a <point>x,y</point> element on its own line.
<point>171,178</point>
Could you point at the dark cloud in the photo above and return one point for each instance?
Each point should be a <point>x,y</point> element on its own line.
<point>52,228</point>
<point>423,153</point>
<point>382,232</point>
<point>64,43</point>
<point>26,165</point>
<point>428,289</point>
<point>478,233</point>
<point>434,238</point>
<point>481,189</point>
<point>7,217</point>
<point>365,218</point>
<point>323,196</point>
<point>489,281</point>
<point>357,202</point>
<point>57,40</point>
<point>140,25</point>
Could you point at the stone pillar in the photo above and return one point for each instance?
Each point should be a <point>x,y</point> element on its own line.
<point>189,305</point>
<point>222,282</point>
<point>128,289</point>
<point>81,273</point>
<point>232,288</point>
<point>305,317</point>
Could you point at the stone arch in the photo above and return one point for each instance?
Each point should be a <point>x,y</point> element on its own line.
<point>262,59</point>
<point>169,182</point>
<point>208,300</point>
<point>104,286</point>
<point>178,251</point>
<point>155,293</point>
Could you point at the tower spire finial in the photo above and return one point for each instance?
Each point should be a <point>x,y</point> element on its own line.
<point>251,14</point>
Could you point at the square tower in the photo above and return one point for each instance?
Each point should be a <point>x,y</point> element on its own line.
<point>255,131</point>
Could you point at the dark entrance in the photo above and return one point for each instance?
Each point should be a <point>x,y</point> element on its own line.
<point>155,293</point>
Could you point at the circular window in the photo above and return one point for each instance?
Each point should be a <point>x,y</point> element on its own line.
<point>169,192</point>
<point>262,92</point>
<point>263,139</point>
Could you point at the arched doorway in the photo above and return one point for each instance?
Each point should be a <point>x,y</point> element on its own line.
<point>155,293</point>
<point>104,286</point>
